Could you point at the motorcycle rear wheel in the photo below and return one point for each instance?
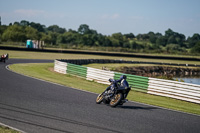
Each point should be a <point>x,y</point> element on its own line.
<point>116,100</point>
<point>99,99</point>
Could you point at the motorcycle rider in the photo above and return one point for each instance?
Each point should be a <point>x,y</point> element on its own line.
<point>123,84</point>
<point>116,93</point>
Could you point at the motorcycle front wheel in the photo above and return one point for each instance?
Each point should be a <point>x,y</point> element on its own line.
<point>99,98</point>
<point>116,100</point>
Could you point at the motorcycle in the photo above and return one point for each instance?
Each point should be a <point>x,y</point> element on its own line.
<point>114,96</point>
<point>3,58</point>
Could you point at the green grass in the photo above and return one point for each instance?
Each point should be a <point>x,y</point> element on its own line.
<point>44,71</point>
<point>4,129</point>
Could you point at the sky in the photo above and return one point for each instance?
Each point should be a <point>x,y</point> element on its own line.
<point>108,16</point>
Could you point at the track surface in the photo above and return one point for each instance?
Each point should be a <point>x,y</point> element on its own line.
<point>36,106</point>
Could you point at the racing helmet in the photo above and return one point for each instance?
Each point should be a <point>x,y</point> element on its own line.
<point>110,80</point>
<point>123,77</point>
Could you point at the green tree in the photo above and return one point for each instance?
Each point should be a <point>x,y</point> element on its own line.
<point>54,36</point>
<point>2,29</point>
<point>105,41</point>
<point>31,33</point>
<point>72,37</point>
<point>84,29</point>
<point>172,48</point>
<point>134,45</point>
<point>152,37</point>
<point>129,36</point>
<point>193,40</point>
<point>196,48</point>
<point>126,45</point>
<point>38,26</point>
<point>68,38</point>
<point>16,23</point>
<point>24,23</point>
<point>14,33</point>
<point>171,40</point>
<point>174,37</point>
<point>87,39</point>
<point>46,38</point>
<point>118,39</point>
<point>161,41</point>
<point>56,28</point>
<point>61,38</point>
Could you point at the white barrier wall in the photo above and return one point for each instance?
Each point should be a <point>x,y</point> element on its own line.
<point>60,67</point>
<point>100,76</point>
<point>174,89</point>
<point>168,88</point>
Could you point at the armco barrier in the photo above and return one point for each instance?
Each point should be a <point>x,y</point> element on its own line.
<point>167,88</point>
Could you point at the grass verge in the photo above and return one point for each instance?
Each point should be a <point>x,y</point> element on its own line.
<point>44,71</point>
<point>4,129</point>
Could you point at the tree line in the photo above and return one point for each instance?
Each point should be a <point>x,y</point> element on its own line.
<point>84,37</point>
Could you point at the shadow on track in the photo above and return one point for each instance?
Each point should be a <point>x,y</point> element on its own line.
<point>137,107</point>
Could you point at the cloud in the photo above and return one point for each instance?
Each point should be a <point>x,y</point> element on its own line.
<point>37,14</point>
<point>113,16</point>
<point>29,13</point>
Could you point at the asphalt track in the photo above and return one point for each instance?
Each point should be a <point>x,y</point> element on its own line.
<point>35,106</point>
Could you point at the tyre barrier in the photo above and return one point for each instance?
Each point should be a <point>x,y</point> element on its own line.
<point>173,89</point>
<point>89,61</point>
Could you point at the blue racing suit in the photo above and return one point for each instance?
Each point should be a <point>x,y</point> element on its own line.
<point>123,84</point>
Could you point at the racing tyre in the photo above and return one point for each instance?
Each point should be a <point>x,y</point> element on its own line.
<point>116,100</point>
<point>99,99</point>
